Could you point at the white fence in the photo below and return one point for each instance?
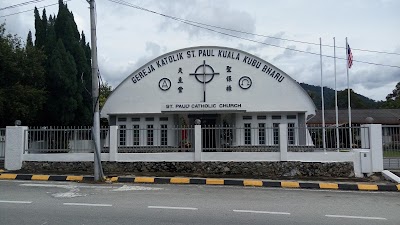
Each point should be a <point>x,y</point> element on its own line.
<point>182,139</point>
<point>196,144</point>
<point>63,140</point>
<point>2,143</point>
<point>391,146</point>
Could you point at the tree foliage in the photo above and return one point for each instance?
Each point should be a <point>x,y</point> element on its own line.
<point>393,99</point>
<point>22,89</point>
<point>47,81</point>
<point>68,68</point>
<point>105,91</point>
<point>357,101</point>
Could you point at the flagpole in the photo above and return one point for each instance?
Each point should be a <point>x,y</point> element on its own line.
<point>322,99</point>
<point>348,95</point>
<point>336,98</point>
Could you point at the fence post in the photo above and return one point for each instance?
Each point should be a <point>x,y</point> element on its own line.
<point>15,142</point>
<point>375,135</point>
<point>364,136</point>
<point>197,143</point>
<point>113,143</point>
<point>283,141</point>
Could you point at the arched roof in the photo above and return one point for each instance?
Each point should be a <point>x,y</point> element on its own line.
<point>232,77</point>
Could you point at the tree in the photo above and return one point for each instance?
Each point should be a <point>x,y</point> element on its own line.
<point>22,92</point>
<point>393,99</point>
<point>29,43</point>
<point>66,30</point>
<point>64,99</point>
<point>356,102</point>
<point>48,34</point>
<point>105,91</point>
<point>40,27</point>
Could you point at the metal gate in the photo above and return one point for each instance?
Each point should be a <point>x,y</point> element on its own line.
<point>391,146</point>
<point>2,146</point>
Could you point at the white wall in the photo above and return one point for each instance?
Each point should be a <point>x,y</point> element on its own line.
<point>16,142</point>
<point>266,93</point>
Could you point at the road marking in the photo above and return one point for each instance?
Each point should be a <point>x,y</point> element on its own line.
<point>328,186</point>
<point>179,180</point>
<point>87,204</point>
<point>40,177</point>
<point>253,183</point>
<point>265,212</point>
<point>290,184</point>
<point>357,217</point>
<point>135,188</point>
<point>47,185</point>
<point>8,176</point>
<point>74,178</point>
<point>169,207</point>
<point>17,202</point>
<point>368,187</point>
<point>215,181</point>
<point>64,186</point>
<point>144,179</point>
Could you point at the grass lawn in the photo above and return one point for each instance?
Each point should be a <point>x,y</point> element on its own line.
<point>393,153</point>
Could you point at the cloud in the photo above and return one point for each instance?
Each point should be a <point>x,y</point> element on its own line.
<point>213,13</point>
<point>287,53</point>
<point>375,78</point>
<point>275,39</point>
<point>116,71</point>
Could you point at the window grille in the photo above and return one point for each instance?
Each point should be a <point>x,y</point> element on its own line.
<point>247,133</point>
<point>261,133</point>
<point>164,135</point>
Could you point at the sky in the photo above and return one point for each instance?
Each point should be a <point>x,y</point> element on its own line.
<point>128,38</point>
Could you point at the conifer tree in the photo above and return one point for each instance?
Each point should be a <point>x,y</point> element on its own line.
<point>63,102</point>
<point>73,70</point>
<point>40,30</point>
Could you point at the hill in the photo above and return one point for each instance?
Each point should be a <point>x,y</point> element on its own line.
<point>357,101</point>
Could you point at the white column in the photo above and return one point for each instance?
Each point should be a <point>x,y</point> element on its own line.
<point>197,143</point>
<point>283,141</point>
<point>357,163</point>
<point>375,134</point>
<point>15,142</point>
<point>113,143</point>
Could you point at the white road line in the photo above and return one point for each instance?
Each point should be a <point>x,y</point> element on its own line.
<point>169,207</point>
<point>86,204</point>
<point>17,202</point>
<point>357,217</point>
<point>265,212</point>
<point>63,186</point>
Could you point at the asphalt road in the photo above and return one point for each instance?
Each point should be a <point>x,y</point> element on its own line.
<point>31,202</point>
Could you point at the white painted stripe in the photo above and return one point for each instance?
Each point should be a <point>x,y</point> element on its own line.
<point>17,202</point>
<point>63,186</point>
<point>266,212</point>
<point>357,217</point>
<point>86,204</point>
<point>47,185</point>
<point>169,207</point>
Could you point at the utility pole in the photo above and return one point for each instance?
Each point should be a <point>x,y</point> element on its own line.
<point>98,170</point>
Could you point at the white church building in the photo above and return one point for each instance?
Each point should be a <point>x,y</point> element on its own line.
<point>211,85</point>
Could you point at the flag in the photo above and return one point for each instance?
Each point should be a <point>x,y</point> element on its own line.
<point>349,57</point>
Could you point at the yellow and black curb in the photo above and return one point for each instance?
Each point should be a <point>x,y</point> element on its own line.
<point>210,181</point>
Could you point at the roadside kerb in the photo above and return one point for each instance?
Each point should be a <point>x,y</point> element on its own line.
<point>209,181</point>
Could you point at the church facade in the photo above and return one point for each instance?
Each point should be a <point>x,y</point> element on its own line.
<point>211,85</point>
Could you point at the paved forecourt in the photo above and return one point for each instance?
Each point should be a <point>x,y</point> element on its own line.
<point>210,181</point>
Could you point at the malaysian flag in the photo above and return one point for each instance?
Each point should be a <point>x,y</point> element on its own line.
<point>349,57</point>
